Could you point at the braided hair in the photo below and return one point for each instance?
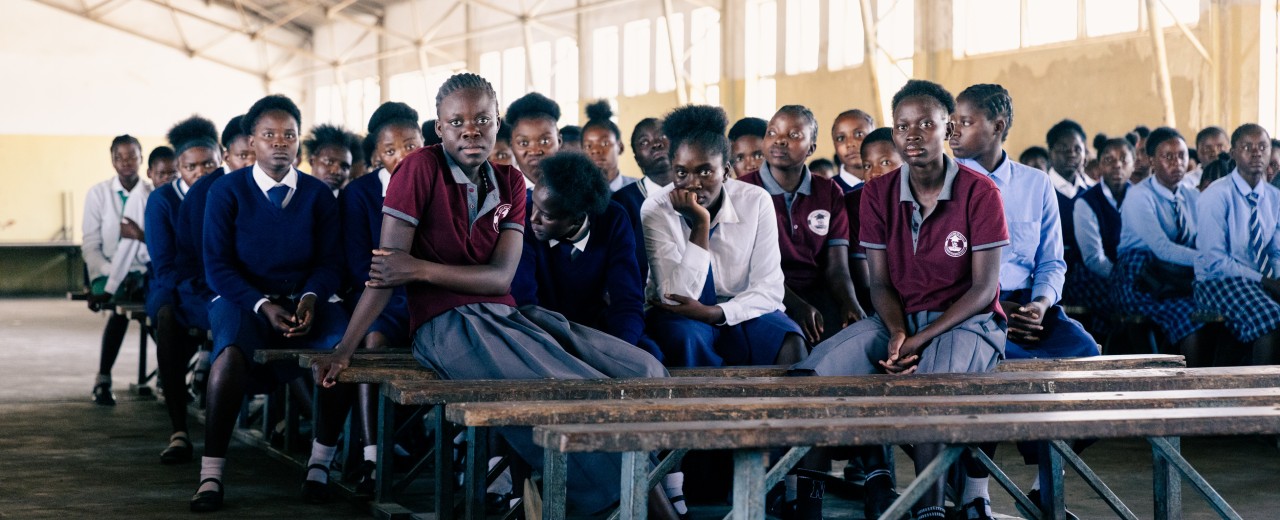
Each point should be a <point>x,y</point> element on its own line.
<point>465,81</point>
<point>994,101</point>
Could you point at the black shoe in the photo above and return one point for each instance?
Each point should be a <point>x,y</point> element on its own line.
<point>496,503</point>
<point>975,509</point>
<point>365,485</point>
<point>878,495</point>
<point>808,504</point>
<point>1034,496</point>
<point>102,395</point>
<point>177,453</point>
<point>207,501</point>
<point>313,491</point>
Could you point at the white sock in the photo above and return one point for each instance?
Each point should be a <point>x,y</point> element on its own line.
<point>322,455</point>
<point>211,467</point>
<point>976,488</point>
<point>791,488</point>
<point>371,453</point>
<point>502,484</point>
<point>673,484</point>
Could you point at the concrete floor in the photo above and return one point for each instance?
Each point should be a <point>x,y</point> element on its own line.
<point>63,457</point>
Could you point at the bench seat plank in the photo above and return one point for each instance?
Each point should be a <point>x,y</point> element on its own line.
<point>1114,362</point>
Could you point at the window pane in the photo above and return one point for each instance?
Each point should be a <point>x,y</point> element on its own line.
<point>326,98</point>
<point>987,25</point>
<point>762,98</point>
<point>541,67</point>
<point>665,80</point>
<point>845,46</point>
<point>1103,17</point>
<point>635,50</point>
<point>513,76</point>
<point>704,51</point>
<point>410,88</point>
<point>897,28</point>
<point>566,80</point>
<point>802,36</point>
<point>762,40</point>
<point>1050,21</point>
<point>1187,11</point>
<point>491,68</point>
<point>604,74</point>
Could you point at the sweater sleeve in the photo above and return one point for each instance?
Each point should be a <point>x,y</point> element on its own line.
<point>221,265</point>
<point>524,286</point>
<point>326,273</point>
<point>625,315</point>
<point>358,241</point>
<point>95,260</point>
<point>160,241</point>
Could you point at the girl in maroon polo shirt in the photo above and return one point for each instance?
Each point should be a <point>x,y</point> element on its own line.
<point>452,233</point>
<point>933,231</point>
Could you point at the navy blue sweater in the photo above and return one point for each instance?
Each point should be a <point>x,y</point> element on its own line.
<point>161,222</point>
<point>631,199</point>
<point>190,259</point>
<point>254,249</point>
<point>1108,220</point>
<point>361,205</point>
<point>601,288</point>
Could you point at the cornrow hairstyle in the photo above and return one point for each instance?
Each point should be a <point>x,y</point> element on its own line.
<point>882,134</point>
<point>571,134</point>
<point>1116,142</point>
<point>1034,152</point>
<point>857,113</point>
<point>268,104</point>
<point>532,106</point>
<point>355,143</point>
<point>601,114</point>
<point>193,132</point>
<point>327,135</point>
<point>1142,131</point>
<point>920,87</point>
<point>803,112</point>
<point>1239,133</point>
<point>1099,141</point>
<point>576,182</point>
<point>702,126</point>
<point>643,124</point>
<point>1158,136</point>
<point>1063,129</point>
<point>160,153</point>
<point>392,113</point>
<point>1209,132</point>
<point>122,140</point>
<point>1216,169</point>
<point>233,130</point>
<point>429,135</point>
<point>465,81</point>
<point>994,100</point>
<point>748,126</point>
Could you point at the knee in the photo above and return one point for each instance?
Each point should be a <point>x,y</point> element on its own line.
<point>375,340</point>
<point>792,351</point>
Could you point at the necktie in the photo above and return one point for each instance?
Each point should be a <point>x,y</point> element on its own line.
<point>566,249</point>
<point>1260,256</point>
<point>277,195</point>
<point>1183,236</point>
<point>124,198</point>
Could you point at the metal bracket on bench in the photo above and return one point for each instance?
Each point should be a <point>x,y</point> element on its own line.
<point>1069,456</point>
<point>934,471</point>
<point>777,473</point>
<point>654,477</point>
<point>1024,504</point>
<point>1163,449</point>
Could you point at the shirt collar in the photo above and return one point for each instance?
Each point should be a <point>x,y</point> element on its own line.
<point>949,178</point>
<point>265,182</point>
<point>1000,175</point>
<point>181,187</point>
<point>579,244</point>
<point>727,214</point>
<point>648,188</point>
<point>771,184</point>
<point>528,183</point>
<point>1160,189</point>
<point>461,178</point>
<point>384,177</point>
<point>1243,186</point>
<point>849,178</point>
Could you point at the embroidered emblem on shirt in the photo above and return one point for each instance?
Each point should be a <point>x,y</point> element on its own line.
<point>499,214</point>
<point>957,245</point>
<point>820,222</point>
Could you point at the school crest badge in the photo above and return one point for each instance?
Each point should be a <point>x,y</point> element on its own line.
<point>820,222</point>
<point>499,214</point>
<point>957,245</point>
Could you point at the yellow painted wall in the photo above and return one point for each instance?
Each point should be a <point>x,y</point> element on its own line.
<point>37,169</point>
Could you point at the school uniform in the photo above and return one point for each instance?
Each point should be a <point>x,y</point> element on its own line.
<point>1192,178</point>
<point>161,221</point>
<point>1151,229</point>
<point>594,281</point>
<point>811,220</point>
<point>361,209</point>
<point>1238,245</point>
<point>130,253</point>
<point>631,198</point>
<point>268,241</point>
<point>846,181</point>
<point>1067,193</point>
<point>1032,266</point>
<point>621,181</point>
<point>1097,225</point>
<point>101,245</point>
<point>741,272</point>
<point>930,263</point>
<point>468,336</point>
<point>857,253</point>
<point>193,290</point>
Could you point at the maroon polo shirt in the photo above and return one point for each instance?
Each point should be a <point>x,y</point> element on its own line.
<point>931,260</point>
<point>852,207</point>
<point>810,220</point>
<point>453,224</point>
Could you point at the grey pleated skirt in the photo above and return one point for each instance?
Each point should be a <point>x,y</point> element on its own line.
<point>976,345</point>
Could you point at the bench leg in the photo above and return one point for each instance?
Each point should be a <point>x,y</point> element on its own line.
<point>1168,453</point>
<point>444,462</point>
<point>937,469</point>
<point>748,485</point>
<point>1052,490</point>
<point>143,387</point>
<point>1025,506</point>
<point>386,448</point>
<point>477,471</point>
<point>554,476</point>
<point>635,485</point>
<point>1167,484</point>
<point>1093,480</point>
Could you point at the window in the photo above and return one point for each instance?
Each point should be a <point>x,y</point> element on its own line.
<point>566,80</point>
<point>761,91</point>
<point>604,73</point>
<point>635,48</point>
<point>896,32</point>
<point>1051,21</point>
<point>1103,17</point>
<point>514,81</point>
<point>491,68</point>
<point>665,79</point>
<point>704,53</point>
<point>983,26</point>
<point>541,67</point>
<point>348,105</point>
<point>418,90</point>
<point>1186,11</point>
<point>845,47</point>
<point>802,36</point>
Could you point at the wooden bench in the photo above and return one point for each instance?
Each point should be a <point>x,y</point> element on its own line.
<point>138,312</point>
<point>751,438</point>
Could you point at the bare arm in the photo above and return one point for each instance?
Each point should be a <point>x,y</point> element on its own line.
<point>841,283</point>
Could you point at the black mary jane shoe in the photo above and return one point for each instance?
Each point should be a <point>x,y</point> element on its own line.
<point>365,485</point>
<point>878,495</point>
<point>1034,496</point>
<point>315,492</point>
<point>102,395</point>
<point>975,509</point>
<point>207,501</point>
<point>177,453</point>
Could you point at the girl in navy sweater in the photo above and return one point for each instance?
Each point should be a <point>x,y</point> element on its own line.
<point>452,235</point>
<point>195,143</point>
<point>272,257</point>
